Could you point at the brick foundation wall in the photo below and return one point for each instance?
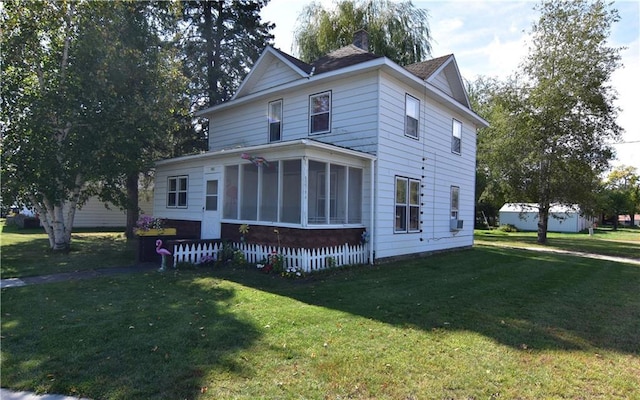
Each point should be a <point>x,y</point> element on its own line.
<point>293,237</point>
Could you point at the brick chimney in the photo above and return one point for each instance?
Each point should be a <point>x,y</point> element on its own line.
<point>361,39</point>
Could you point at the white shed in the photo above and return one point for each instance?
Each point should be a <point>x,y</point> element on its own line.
<point>562,218</point>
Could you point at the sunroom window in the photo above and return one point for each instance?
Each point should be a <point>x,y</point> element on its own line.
<point>273,193</point>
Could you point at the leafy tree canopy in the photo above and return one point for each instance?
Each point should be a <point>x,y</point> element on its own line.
<point>551,124</point>
<point>397,30</point>
<point>88,91</point>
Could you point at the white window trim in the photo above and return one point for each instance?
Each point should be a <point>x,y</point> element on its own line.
<point>455,209</point>
<point>178,178</point>
<point>406,115</point>
<point>269,121</point>
<point>311,114</point>
<point>407,205</point>
<point>454,123</point>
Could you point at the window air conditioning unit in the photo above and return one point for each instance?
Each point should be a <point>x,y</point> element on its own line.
<point>456,224</point>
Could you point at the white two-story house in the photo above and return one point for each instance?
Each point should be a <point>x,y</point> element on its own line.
<point>313,155</point>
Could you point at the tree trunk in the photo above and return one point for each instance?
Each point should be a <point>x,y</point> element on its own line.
<point>615,222</point>
<point>543,223</point>
<point>132,204</point>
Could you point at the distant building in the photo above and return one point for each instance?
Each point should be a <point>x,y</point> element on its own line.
<point>562,218</point>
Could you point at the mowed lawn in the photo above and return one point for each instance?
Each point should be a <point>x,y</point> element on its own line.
<point>488,322</point>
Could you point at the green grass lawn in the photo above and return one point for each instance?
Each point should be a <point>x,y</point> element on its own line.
<point>625,242</point>
<point>26,252</point>
<point>483,323</point>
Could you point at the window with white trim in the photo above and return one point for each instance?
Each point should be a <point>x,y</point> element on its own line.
<point>407,205</point>
<point>275,121</point>
<point>455,202</point>
<point>320,113</point>
<point>177,191</point>
<point>456,137</point>
<point>412,116</point>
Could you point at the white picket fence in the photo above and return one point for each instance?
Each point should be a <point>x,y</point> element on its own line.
<point>308,260</point>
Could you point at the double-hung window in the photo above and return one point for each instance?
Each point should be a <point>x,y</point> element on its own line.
<point>407,205</point>
<point>455,202</point>
<point>177,191</point>
<point>320,113</point>
<point>275,121</point>
<point>412,116</point>
<point>456,137</point>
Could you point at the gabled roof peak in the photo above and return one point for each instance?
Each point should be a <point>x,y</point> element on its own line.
<point>425,69</point>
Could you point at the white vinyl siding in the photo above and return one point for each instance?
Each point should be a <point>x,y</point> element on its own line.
<point>432,162</point>
<point>354,117</point>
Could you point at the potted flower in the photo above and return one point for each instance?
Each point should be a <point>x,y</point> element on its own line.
<point>151,226</point>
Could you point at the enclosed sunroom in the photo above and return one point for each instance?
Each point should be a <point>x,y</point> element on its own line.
<point>301,193</point>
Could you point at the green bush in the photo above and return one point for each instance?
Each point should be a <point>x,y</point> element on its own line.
<point>507,228</point>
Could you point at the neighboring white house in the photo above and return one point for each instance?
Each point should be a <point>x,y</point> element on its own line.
<point>323,152</point>
<point>94,213</point>
<point>524,216</point>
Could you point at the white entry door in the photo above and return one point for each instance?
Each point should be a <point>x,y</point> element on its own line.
<point>211,213</point>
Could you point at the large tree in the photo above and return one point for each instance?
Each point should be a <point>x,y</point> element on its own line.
<point>87,91</point>
<point>553,122</point>
<point>221,39</point>
<point>397,29</point>
<point>621,194</point>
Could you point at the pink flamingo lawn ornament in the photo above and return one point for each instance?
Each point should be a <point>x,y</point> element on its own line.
<point>163,253</point>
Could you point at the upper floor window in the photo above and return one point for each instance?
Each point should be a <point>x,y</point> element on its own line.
<point>412,116</point>
<point>456,137</point>
<point>320,112</point>
<point>275,121</point>
<point>407,208</point>
<point>177,191</point>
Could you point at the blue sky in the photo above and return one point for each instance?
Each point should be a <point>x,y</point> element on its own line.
<point>490,38</point>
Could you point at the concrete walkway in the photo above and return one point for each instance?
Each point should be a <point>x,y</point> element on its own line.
<point>633,261</point>
<point>6,394</point>
<point>78,275</point>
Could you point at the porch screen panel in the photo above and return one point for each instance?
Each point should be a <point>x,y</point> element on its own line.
<point>291,191</point>
<point>230,206</point>
<point>269,195</point>
<point>317,192</point>
<point>338,194</point>
<point>355,196</point>
<point>249,199</point>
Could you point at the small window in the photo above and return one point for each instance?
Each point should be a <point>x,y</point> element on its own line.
<point>455,202</point>
<point>275,121</point>
<point>407,205</point>
<point>177,191</point>
<point>320,112</point>
<point>456,137</point>
<point>412,116</point>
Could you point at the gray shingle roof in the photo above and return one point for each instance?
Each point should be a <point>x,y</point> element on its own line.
<point>342,58</point>
<point>425,69</point>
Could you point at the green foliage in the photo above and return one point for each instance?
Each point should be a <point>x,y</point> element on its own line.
<point>551,124</point>
<point>507,228</point>
<point>397,29</point>
<point>89,93</point>
<point>220,41</point>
